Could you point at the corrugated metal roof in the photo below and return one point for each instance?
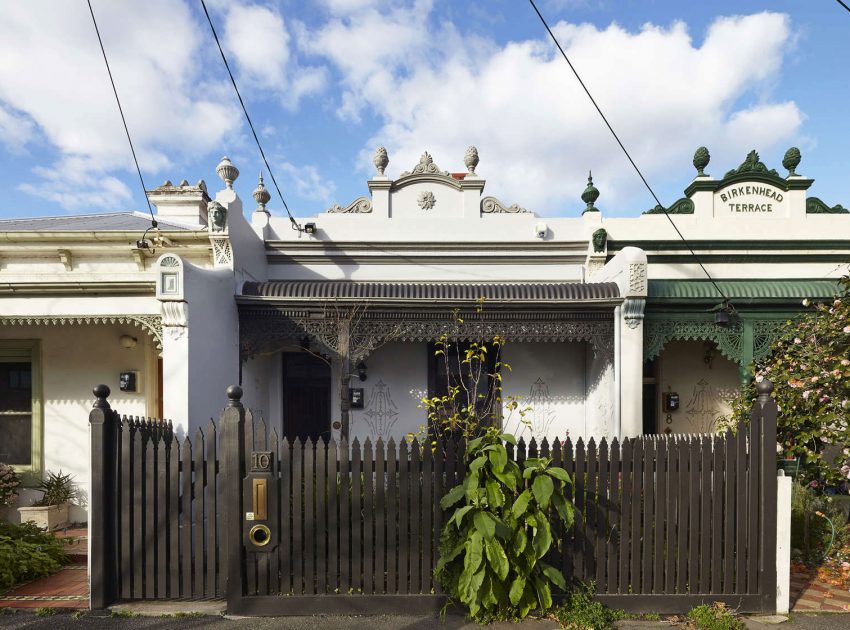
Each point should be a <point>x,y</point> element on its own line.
<point>432,291</point>
<point>112,222</point>
<point>743,289</point>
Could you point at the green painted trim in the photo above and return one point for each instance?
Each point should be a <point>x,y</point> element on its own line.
<point>17,349</point>
<point>748,258</point>
<point>676,245</point>
<point>713,185</point>
<point>756,290</point>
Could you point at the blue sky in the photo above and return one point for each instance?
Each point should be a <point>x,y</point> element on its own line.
<point>327,81</point>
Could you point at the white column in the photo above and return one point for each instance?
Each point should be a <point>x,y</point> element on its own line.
<point>783,544</point>
<point>630,361</point>
<point>175,364</point>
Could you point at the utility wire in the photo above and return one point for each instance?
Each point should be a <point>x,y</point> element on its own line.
<point>617,138</point>
<point>841,2</point>
<point>121,110</point>
<point>248,118</point>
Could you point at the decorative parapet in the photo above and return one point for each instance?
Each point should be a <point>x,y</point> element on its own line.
<point>681,206</point>
<point>361,205</point>
<point>815,206</point>
<point>151,324</point>
<point>491,205</point>
<point>752,164</point>
<point>426,166</point>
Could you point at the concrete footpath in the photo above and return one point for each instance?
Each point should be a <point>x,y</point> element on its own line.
<point>66,621</point>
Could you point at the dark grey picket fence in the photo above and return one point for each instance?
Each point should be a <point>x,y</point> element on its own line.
<point>663,523</point>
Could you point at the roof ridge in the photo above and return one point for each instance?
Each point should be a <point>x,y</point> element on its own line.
<point>71,216</point>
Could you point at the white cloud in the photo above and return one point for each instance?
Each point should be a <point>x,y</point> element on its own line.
<point>536,131</point>
<point>257,38</point>
<point>62,184</point>
<point>308,183</point>
<point>16,130</point>
<point>52,72</point>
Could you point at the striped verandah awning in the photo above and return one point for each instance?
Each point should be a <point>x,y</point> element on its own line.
<point>368,314</point>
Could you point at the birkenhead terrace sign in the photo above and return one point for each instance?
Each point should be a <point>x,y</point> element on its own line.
<point>751,197</point>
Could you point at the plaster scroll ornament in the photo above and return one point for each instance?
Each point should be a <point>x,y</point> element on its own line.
<point>701,160</point>
<point>381,160</point>
<point>361,205</point>
<point>792,160</point>
<point>470,159</point>
<point>814,205</point>
<point>169,261</point>
<point>381,412</point>
<point>752,164</point>
<point>426,166</point>
<point>599,239</point>
<point>217,214</point>
<point>681,206</point>
<point>637,277</point>
<point>426,200</point>
<point>542,410</point>
<point>491,205</point>
<point>227,172</point>
<point>261,195</point>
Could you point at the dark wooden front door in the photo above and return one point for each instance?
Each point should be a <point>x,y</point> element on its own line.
<point>306,397</point>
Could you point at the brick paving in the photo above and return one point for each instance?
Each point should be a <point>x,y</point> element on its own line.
<point>808,594</point>
<point>68,588</point>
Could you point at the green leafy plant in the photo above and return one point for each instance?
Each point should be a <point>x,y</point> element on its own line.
<point>810,369</point>
<point>493,545</point>
<point>57,489</point>
<point>714,617</point>
<point>45,611</point>
<point>10,481</point>
<point>579,611</point>
<point>27,553</point>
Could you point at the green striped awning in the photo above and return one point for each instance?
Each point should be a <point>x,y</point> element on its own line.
<point>742,290</point>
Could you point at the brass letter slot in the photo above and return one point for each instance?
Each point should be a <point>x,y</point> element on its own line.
<point>260,492</point>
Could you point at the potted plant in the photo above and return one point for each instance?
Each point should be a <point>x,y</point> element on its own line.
<point>51,510</point>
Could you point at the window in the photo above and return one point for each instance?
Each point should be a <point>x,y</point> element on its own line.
<point>20,404</point>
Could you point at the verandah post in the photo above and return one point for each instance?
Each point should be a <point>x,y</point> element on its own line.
<point>232,463</point>
<point>102,501</point>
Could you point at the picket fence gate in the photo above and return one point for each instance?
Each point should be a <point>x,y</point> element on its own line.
<point>663,523</point>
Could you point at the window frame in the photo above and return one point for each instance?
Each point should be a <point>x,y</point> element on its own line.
<point>15,350</point>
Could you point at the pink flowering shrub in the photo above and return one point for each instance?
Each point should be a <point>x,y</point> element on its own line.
<point>810,371</point>
<point>9,484</point>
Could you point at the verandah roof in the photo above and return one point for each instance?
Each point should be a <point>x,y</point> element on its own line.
<point>504,292</point>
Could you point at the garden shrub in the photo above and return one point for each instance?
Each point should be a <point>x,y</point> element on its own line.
<point>27,553</point>
<point>493,545</point>
<point>714,617</point>
<point>579,611</point>
<point>10,481</point>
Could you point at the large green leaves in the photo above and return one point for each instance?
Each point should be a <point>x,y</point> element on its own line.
<point>452,496</point>
<point>497,558</point>
<point>521,504</point>
<point>542,487</point>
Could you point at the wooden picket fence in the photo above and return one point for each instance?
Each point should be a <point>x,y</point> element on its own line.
<point>663,522</point>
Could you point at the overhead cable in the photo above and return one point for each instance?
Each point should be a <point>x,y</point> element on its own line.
<point>121,110</point>
<point>248,118</point>
<point>617,138</point>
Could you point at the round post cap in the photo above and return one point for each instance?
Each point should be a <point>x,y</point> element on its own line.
<point>764,387</point>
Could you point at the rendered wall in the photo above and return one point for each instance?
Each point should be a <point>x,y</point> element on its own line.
<point>73,360</point>
<point>397,380</point>
<point>548,378</point>
<point>704,388</point>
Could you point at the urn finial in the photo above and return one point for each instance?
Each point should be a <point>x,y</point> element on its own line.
<point>227,172</point>
<point>590,195</point>
<point>701,159</point>
<point>792,160</point>
<point>381,160</point>
<point>470,159</point>
<point>261,195</point>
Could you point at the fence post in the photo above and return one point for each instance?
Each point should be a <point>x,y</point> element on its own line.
<point>769,567</point>
<point>232,464</point>
<point>102,501</point>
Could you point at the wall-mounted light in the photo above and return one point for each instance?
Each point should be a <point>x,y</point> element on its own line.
<point>541,229</point>
<point>310,228</point>
<point>128,342</point>
<point>723,314</point>
<point>361,371</point>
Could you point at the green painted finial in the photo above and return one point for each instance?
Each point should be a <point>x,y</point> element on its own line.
<point>701,159</point>
<point>590,194</point>
<point>792,160</point>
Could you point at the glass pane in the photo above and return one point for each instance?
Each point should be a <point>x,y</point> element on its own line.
<point>16,387</point>
<point>16,439</point>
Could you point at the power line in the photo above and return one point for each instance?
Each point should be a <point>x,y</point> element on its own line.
<point>121,110</point>
<point>248,118</point>
<point>843,4</point>
<point>617,138</point>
